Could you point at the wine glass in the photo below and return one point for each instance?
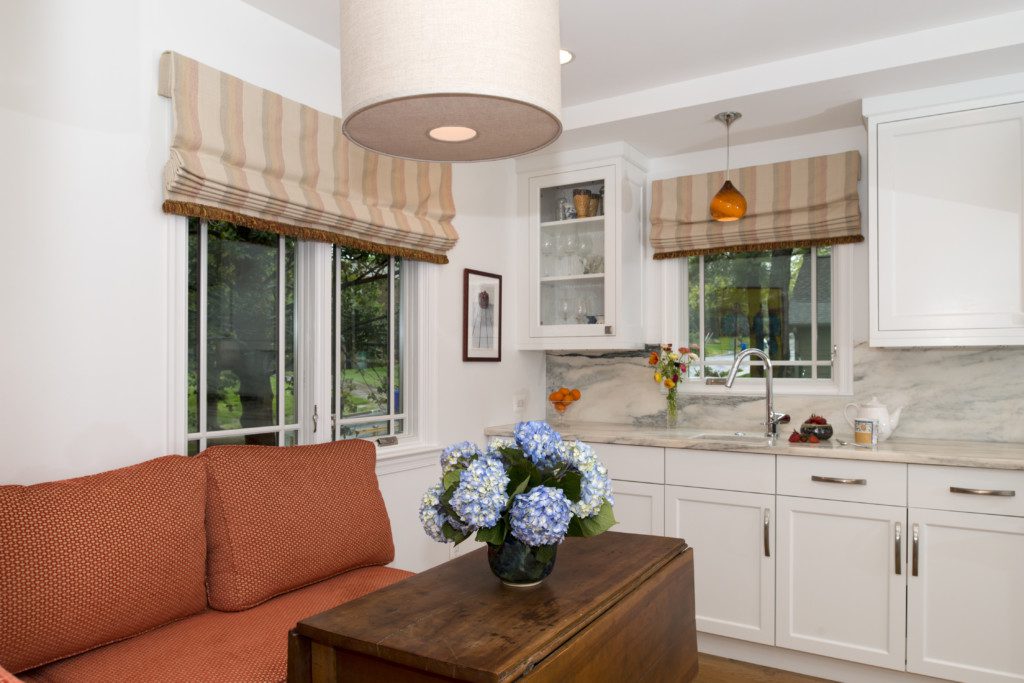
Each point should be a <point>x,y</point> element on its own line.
<point>572,241</point>
<point>565,311</point>
<point>547,248</point>
<point>581,311</point>
<point>560,254</point>
<point>584,249</point>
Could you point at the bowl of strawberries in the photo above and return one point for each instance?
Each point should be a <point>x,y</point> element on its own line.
<point>816,426</point>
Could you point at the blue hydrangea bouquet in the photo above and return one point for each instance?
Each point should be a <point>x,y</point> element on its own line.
<point>521,496</point>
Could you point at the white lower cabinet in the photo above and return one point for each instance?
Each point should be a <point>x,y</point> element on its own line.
<point>639,507</point>
<point>965,604</point>
<point>734,558</point>
<point>841,588</point>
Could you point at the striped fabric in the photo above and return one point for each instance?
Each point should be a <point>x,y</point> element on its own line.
<point>803,203</point>
<point>249,156</point>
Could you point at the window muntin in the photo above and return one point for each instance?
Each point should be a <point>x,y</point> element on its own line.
<point>779,301</point>
<point>242,336</point>
<point>368,329</point>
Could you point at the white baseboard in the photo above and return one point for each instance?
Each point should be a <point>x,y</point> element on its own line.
<point>804,663</point>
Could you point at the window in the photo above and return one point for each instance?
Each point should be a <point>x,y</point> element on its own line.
<point>366,357</point>
<point>254,303</point>
<point>241,337</point>
<point>780,301</point>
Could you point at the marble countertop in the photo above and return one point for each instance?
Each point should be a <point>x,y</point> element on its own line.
<point>1004,456</point>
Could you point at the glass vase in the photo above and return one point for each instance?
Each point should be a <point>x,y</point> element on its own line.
<point>521,565</point>
<point>672,409</point>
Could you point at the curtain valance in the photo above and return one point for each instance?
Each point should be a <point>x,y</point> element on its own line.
<point>249,156</point>
<point>803,203</point>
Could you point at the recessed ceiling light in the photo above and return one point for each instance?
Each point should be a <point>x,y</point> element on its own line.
<point>452,133</point>
<point>564,56</point>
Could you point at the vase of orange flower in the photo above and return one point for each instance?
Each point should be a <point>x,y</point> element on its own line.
<point>669,370</point>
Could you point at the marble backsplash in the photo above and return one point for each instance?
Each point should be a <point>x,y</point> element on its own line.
<point>969,394</point>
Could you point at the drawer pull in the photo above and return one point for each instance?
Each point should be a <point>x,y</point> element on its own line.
<point>982,492</point>
<point>899,548</point>
<point>839,480</point>
<point>767,533</point>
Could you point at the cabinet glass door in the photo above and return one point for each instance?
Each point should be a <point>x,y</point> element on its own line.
<point>572,259</point>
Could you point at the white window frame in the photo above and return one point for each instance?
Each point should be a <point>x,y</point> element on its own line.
<point>841,382</point>
<point>420,283</point>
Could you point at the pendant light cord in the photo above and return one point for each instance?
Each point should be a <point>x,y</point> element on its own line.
<point>728,149</point>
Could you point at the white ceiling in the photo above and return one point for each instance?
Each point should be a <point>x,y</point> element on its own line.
<point>654,72</point>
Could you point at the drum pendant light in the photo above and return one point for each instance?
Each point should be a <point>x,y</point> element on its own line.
<point>451,80</point>
<point>728,204</point>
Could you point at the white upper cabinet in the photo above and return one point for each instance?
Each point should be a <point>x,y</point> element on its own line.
<point>581,262</point>
<point>946,225</point>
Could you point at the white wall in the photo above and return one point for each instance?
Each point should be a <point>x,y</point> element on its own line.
<point>84,269</point>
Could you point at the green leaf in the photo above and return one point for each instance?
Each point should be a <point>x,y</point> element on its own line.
<point>453,534</point>
<point>495,535</point>
<point>592,526</point>
<point>451,478</point>
<point>519,479</point>
<point>571,484</point>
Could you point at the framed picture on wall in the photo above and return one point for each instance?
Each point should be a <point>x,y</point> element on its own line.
<point>481,316</point>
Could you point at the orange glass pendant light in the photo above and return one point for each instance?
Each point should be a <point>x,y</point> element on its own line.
<point>729,204</point>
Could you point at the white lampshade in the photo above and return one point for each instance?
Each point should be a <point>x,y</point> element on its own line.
<point>412,67</point>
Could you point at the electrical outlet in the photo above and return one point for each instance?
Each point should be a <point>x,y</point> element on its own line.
<point>519,405</point>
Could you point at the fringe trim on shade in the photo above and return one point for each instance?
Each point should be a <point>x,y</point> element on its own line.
<point>217,214</point>
<point>761,246</point>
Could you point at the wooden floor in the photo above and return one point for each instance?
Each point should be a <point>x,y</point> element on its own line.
<point>718,670</point>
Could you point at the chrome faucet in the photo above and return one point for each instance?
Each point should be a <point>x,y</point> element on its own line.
<point>771,418</point>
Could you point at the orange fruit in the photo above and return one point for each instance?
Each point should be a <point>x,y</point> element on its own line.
<point>560,406</point>
<point>565,392</point>
<point>554,396</point>
<point>576,394</point>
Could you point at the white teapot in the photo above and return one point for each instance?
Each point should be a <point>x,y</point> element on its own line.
<point>873,410</point>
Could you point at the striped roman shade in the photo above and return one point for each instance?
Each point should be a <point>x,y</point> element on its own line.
<point>803,203</point>
<point>249,156</point>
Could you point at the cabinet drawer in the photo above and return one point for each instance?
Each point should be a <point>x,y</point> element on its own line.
<point>632,463</point>
<point>754,472</point>
<point>930,488</point>
<point>857,481</point>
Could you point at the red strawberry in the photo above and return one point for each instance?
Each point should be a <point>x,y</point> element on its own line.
<point>813,439</point>
<point>794,437</point>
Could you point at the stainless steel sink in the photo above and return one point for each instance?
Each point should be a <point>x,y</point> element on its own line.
<point>735,437</point>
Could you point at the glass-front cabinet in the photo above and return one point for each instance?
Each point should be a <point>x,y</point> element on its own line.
<point>584,251</point>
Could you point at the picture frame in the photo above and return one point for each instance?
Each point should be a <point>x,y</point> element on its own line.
<point>481,316</point>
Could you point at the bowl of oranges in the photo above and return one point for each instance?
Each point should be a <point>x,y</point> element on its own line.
<point>562,398</point>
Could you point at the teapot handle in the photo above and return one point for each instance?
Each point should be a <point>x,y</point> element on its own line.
<point>846,413</point>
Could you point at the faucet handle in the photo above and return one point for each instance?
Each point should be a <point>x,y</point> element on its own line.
<point>781,418</point>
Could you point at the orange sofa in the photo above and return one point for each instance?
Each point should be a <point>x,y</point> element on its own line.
<point>187,569</point>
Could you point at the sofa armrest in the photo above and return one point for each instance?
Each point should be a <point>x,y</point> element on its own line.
<point>7,677</point>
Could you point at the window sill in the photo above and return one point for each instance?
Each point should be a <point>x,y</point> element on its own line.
<point>757,387</point>
<point>406,456</point>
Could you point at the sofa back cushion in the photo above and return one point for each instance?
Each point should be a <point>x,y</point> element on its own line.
<point>93,560</point>
<point>279,518</point>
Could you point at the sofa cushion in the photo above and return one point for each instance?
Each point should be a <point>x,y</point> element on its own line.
<point>279,518</point>
<point>249,646</point>
<point>92,560</point>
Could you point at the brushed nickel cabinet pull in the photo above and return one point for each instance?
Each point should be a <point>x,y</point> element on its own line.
<point>913,549</point>
<point>839,480</point>
<point>767,526</point>
<point>982,492</point>
<point>899,548</point>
